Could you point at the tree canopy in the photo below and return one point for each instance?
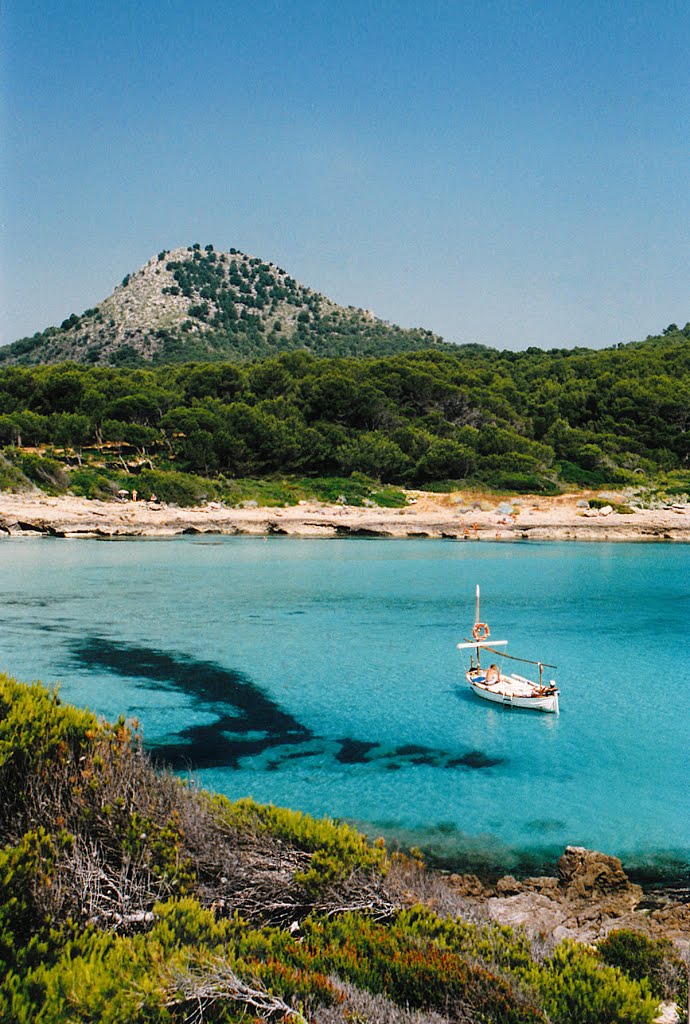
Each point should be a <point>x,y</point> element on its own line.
<point>525,421</point>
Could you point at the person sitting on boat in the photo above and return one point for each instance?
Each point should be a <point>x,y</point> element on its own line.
<point>492,674</point>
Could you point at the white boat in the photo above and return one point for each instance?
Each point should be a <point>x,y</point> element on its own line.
<point>501,686</point>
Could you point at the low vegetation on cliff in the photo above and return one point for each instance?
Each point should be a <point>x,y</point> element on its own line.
<point>126,894</point>
<point>529,421</point>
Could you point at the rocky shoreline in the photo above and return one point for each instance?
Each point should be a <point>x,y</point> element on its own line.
<point>590,896</point>
<point>438,516</point>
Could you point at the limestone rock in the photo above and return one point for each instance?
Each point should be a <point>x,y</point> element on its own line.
<point>467,885</point>
<point>590,897</point>
<point>536,913</point>
<point>508,886</point>
<point>587,873</point>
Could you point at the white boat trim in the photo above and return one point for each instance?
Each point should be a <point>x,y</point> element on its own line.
<point>547,702</point>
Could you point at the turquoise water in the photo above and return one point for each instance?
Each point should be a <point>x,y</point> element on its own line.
<point>323,675</point>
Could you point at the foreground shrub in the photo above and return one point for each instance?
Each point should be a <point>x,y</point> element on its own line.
<point>656,960</point>
<point>121,891</point>
<point>124,835</point>
<point>336,848</point>
<point>576,988</point>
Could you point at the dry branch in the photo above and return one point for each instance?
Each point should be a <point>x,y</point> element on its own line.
<point>200,985</point>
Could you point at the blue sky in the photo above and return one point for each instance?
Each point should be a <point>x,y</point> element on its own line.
<point>509,173</point>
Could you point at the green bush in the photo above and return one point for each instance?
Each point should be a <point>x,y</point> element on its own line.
<point>677,483</point>
<point>37,733</point>
<point>415,970</point>
<point>656,960</point>
<point>24,869</point>
<point>622,508</point>
<point>276,491</point>
<point>46,473</point>
<point>90,482</point>
<point>11,477</point>
<point>337,849</point>
<point>173,487</point>
<point>388,497</point>
<point>571,473</point>
<point>521,483</point>
<point>576,988</point>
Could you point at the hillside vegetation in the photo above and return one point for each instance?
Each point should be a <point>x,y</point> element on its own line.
<point>530,421</point>
<point>201,304</point>
<point>126,895</point>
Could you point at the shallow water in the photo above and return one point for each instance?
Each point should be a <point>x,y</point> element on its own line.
<point>323,675</point>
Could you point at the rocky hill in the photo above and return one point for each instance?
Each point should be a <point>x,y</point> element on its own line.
<point>199,304</point>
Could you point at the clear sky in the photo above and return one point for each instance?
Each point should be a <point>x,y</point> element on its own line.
<point>512,173</point>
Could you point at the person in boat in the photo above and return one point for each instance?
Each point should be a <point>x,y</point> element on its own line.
<point>492,674</point>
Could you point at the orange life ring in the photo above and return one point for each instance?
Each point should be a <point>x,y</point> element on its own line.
<point>480,631</point>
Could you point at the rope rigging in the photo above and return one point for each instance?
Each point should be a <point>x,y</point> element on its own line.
<point>527,661</point>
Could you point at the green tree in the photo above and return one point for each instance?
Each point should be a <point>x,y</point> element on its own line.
<point>69,429</point>
<point>372,453</point>
<point>446,459</point>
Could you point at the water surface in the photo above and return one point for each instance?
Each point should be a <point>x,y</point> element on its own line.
<point>323,675</point>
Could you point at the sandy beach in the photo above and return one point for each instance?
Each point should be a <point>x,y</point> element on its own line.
<point>453,516</point>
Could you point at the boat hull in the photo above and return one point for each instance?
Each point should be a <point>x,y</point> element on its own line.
<point>547,703</point>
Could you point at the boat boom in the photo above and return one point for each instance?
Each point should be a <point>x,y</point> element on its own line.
<point>482,643</point>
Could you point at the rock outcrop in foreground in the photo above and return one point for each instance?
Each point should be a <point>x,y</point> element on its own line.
<point>590,897</point>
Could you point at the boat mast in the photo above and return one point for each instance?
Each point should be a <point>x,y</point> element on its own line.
<point>476,620</point>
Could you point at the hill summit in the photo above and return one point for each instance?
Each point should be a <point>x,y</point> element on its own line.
<point>196,303</point>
